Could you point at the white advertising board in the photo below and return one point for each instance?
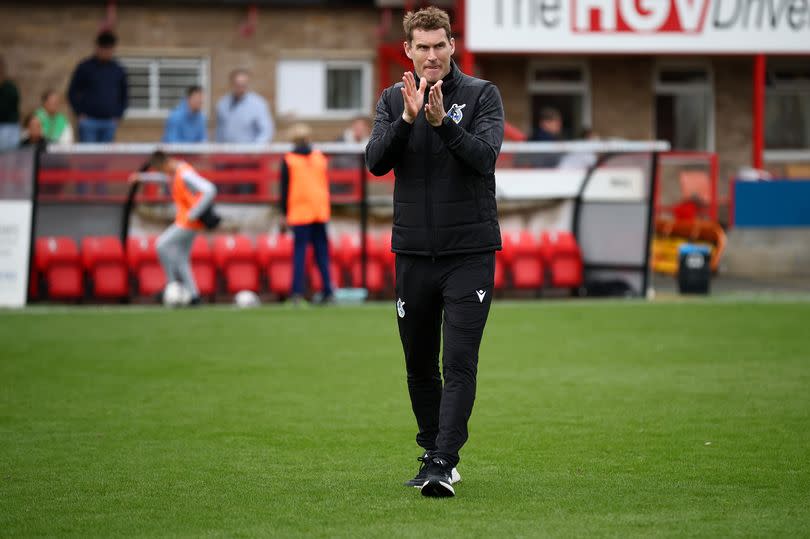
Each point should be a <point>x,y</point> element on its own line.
<point>639,26</point>
<point>609,184</point>
<point>15,245</point>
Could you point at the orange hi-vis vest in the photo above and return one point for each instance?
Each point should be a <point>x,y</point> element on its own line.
<point>308,190</point>
<point>184,199</point>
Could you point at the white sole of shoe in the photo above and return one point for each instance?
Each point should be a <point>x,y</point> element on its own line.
<point>455,477</point>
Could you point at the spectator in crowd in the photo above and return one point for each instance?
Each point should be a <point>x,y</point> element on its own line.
<point>583,159</point>
<point>55,125</point>
<point>306,208</point>
<point>186,123</point>
<point>34,135</point>
<point>98,92</point>
<point>358,131</point>
<point>242,115</point>
<point>549,128</point>
<point>9,110</point>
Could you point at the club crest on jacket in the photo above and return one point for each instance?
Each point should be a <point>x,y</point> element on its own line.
<point>455,112</point>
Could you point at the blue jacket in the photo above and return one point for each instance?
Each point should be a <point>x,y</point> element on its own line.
<point>183,125</point>
<point>99,89</point>
<point>246,120</point>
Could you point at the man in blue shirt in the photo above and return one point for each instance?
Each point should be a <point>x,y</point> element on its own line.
<point>98,92</point>
<point>186,123</point>
<point>242,115</point>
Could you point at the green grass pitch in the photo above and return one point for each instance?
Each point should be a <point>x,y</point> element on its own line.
<point>592,419</point>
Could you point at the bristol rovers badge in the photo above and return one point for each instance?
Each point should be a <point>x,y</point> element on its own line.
<point>455,112</point>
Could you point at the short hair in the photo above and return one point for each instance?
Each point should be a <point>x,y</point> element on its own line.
<point>46,94</point>
<point>193,90</point>
<point>238,71</point>
<point>158,159</point>
<point>548,113</point>
<point>429,18</point>
<point>106,39</point>
<point>300,133</point>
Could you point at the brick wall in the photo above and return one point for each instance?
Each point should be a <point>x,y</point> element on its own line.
<point>623,100</point>
<point>42,45</point>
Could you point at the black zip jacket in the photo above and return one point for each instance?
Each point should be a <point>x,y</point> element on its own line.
<point>444,192</point>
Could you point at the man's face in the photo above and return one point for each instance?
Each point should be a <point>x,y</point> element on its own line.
<point>52,103</point>
<point>195,101</point>
<point>239,84</point>
<point>552,125</point>
<point>105,54</point>
<point>430,51</point>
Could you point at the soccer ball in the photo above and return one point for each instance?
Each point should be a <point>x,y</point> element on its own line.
<point>245,299</point>
<point>176,295</point>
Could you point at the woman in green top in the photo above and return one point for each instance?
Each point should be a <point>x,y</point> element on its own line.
<point>55,125</point>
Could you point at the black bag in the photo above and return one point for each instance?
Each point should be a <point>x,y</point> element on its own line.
<point>209,218</point>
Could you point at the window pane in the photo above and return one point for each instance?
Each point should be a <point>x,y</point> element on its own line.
<point>344,88</point>
<point>138,83</point>
<point>798,74</point>
<point>174,79</point>
<point>787,120</point>
<point>569,106</point>
<point>558,74</point>
<point>683,120</point>
<point>683,76</point>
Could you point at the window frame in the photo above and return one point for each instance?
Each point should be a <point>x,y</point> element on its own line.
<point>153,61</point>
<point>321,112</point>
<point>688,88</point>
<point>365,84</point>
<point>582,87</point>
<point>782,88</point>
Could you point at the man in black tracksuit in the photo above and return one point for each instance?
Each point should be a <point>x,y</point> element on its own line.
<point>442,144</point>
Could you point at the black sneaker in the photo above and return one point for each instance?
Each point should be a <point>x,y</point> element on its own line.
<point>196,301</point>
<point>439,482</point>
<point>421,476</point>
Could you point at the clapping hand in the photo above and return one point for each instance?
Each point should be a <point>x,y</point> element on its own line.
<point>434,110</point>
<point>412,96</point>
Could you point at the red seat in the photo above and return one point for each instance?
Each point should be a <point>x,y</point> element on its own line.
<point>103,260</point>
<point>375,269</point>
<point>387,257</point>
<point>57,260</point>
<point>527,265</point>
<point>348,250</point>
<point>563,258</point>
<point>235,256</point>
<point>144,265</point>
<point>500,274</point>
<point>349,258</point>
<point>315,282</point>
<point>202,266</point>
<point>275,257</point>
<point>504,259</point>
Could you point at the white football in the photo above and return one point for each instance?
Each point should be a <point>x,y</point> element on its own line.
<point>245,299</point>
<point>176,295</point>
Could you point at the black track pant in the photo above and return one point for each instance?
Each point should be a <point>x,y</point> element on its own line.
<point>460,288</point>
